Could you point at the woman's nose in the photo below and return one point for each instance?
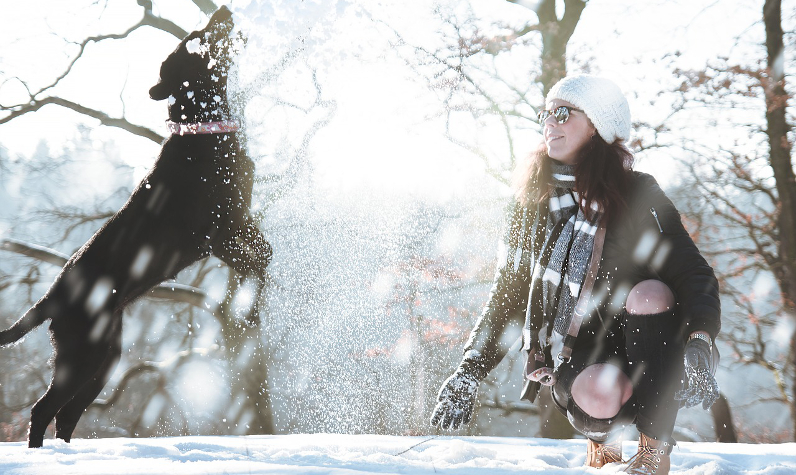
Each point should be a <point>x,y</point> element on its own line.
<point>550,121</point>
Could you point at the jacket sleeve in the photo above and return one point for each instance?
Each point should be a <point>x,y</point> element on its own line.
<point>500,323</point>
<point>671,253</point>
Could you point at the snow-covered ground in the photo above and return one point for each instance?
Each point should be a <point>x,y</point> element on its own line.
<point>366,454</point>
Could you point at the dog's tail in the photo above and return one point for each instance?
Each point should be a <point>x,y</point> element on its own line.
<point>32,319</point>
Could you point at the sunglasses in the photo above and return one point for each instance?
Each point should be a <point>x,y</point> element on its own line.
<point>560,113</point>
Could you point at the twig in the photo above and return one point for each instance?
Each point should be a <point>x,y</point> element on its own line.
<point>419,443</point>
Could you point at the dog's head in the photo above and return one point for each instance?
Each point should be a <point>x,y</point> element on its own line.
<point>196,72</point>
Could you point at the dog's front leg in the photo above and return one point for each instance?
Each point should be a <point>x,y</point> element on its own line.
<point>248,253</point>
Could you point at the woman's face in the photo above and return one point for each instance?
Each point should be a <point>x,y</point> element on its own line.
<point>564,141</point>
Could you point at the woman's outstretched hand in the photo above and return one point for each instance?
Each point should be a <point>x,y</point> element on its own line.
<point>701,385</point>
<point>458,393</point>
<point>456,400</point>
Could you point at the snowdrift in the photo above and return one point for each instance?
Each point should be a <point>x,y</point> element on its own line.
<point>366,454</point>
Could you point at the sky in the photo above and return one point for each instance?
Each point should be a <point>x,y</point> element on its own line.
<point>382,132</point>
<point>368,454</point>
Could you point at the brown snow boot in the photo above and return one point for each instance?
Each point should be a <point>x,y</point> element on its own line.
<point>599,454</point>
<point>652,457</point>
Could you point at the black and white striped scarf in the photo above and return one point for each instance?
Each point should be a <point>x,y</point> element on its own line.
<point>564,257</point>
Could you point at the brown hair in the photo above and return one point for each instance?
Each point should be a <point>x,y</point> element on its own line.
<point>602,173</point>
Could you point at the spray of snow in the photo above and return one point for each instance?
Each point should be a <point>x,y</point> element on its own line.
<point>202,387</point>
<point>195,46</point>
<point>354,315</point>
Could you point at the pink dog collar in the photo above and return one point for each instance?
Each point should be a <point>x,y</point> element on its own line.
<point>220,127</point>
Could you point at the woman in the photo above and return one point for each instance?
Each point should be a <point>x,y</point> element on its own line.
<point>618,308</point>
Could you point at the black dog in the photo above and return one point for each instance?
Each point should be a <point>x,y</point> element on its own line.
<point>194,202</point>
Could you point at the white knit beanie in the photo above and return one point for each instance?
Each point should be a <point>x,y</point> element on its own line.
<point>601,100</point>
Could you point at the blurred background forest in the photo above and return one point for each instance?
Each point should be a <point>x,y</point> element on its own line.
<point>385,134</point>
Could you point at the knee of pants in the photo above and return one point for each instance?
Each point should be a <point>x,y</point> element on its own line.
<point>650,297</point>
<point>600,429</point>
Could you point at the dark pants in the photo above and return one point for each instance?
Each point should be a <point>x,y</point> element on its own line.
<point>649,350</point>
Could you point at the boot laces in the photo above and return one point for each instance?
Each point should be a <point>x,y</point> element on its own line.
<point>600,454</point>
<point>611,452</point>
<point>645,461</point>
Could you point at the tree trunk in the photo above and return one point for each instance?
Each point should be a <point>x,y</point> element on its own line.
<point>417,410</point>
<point>722,421</point>
<point>555,36</point>
<point>777,128</point>
<point>251,409</point>
<point>793,388</point>
<point>552,424</point>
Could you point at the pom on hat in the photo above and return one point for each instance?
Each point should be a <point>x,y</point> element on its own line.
<point>601,100</point>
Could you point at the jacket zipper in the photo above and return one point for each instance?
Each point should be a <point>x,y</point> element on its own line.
<point>655,215</point>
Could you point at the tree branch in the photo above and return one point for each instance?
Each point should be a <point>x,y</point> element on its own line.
<point>34,104</point>
<point>32,250</point>
<point>208,7</point>
<point>167,290</point>
<point>104,118</point>
<point>163,24</point>
<point>151,367</point>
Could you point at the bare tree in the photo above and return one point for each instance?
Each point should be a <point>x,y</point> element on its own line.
<point>471,80</point>
<point>555,35</point>
<point>41,97</point>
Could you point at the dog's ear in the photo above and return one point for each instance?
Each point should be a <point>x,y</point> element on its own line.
<point>171,71</point>
<point>169,77</point>
<point>162,89</point>
<point>159,91</point>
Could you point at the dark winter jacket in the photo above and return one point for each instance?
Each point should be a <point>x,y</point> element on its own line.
<point>648,241</point>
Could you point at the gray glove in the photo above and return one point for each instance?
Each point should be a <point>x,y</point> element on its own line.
<point>701,386</point>
<point>458,394</point>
